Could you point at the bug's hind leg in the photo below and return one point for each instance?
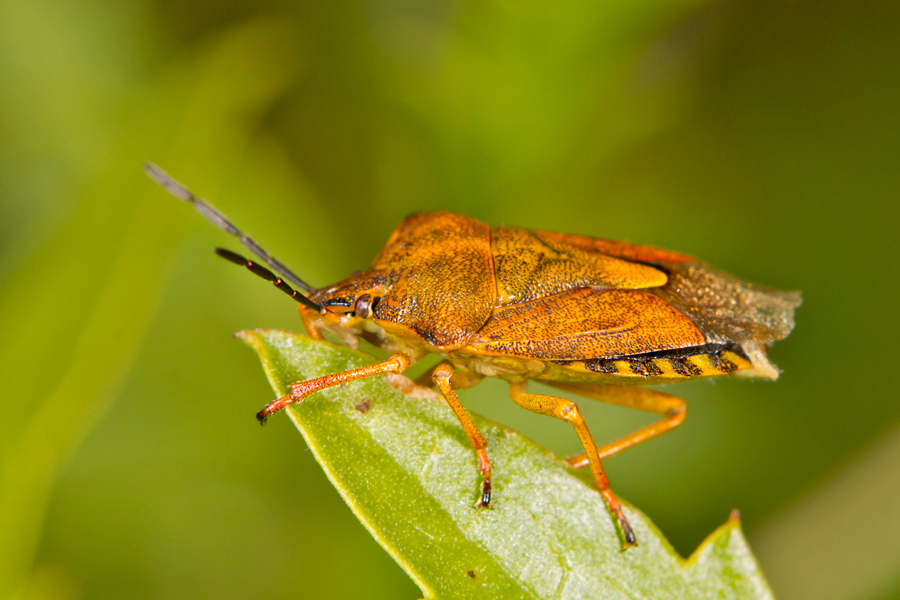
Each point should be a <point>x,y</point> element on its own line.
<point>566,410</point>
<point>672,408</point>
<point>441,376</point>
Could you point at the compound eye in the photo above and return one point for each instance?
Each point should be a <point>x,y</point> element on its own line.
<point>363,306</point>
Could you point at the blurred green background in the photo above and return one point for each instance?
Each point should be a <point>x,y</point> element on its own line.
<point>763,137</point>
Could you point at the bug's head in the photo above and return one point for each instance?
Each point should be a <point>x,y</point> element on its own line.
<point>354,300</point>
<point>367,302</point>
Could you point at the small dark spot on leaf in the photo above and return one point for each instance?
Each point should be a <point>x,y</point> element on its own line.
<point>364,406</point>
<point>472,574</point>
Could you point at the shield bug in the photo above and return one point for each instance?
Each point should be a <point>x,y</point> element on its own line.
<point>588,316</point>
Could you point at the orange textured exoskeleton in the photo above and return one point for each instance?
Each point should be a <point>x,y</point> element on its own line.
<point>594,317</point>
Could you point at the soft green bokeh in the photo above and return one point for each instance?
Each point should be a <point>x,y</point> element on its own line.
<point>763,137</point>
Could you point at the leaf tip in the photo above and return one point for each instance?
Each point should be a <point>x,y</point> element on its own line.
<point>246,335</point>
<point>255,338</point>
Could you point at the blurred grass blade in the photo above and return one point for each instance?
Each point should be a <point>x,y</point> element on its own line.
<point>405,468</point>
<point>108,259</point>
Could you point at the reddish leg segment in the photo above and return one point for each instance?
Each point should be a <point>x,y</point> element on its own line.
<point>395,364</point>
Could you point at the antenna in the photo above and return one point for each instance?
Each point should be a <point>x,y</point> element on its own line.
<point>268,275</point>
<point>221,221</point>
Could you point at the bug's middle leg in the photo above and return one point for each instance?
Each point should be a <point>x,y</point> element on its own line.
<point>441,376</point>
<point>566,410</point>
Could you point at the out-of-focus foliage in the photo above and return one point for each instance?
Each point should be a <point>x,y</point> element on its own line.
<point>762,137</point>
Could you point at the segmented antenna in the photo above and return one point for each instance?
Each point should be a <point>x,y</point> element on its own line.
<point>219,220</point>
<point>268,276</point>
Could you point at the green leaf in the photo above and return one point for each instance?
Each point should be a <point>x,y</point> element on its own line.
<point>406,469</point>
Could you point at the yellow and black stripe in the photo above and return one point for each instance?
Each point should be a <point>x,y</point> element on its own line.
<point>698,361</point>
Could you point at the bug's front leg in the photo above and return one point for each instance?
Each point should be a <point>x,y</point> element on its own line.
<point>307,315</point>
<point>566,410</point>
<point>300,390</point>
<point>441,377</point>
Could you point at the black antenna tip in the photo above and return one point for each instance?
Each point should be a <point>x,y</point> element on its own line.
<point>231,256</point>
<point>219,220</point>
<point>263,272</point>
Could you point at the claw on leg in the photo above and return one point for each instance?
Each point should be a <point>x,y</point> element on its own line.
<point>566,410</point>
<point>484,466</point>
<point>441,377</point>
